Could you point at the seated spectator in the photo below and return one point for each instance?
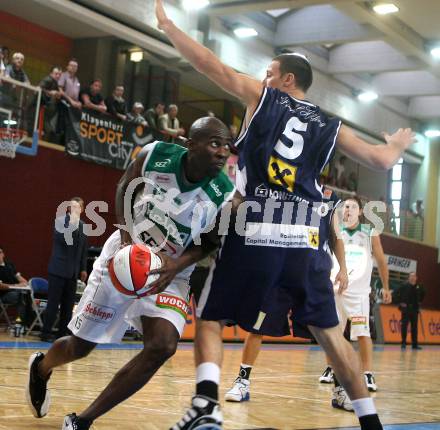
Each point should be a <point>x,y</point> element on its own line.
<point>152,116</point>
<point>136,115</point>
<point>49,99</point>
<point>169,125</point>
<point>15,70</point>
<point>116,104</point>
<point>91,97</point>
<point>8,277</point>
<point>69,84</point>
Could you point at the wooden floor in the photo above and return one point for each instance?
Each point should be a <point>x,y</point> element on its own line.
<point>285,390</point>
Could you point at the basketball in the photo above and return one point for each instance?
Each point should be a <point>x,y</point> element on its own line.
<point>130,270</point>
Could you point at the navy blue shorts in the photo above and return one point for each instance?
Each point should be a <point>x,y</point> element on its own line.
<point>256,287</point>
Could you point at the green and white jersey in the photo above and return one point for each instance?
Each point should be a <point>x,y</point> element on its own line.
<point>169,212</point>
<point>359,259</point>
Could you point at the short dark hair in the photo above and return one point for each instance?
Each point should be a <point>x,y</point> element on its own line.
<point>73,60</point>
<point>299,66</point>
<point>159,103</point>
<point>95,80</point>
<point>356,199</point>
<point>55,67</point>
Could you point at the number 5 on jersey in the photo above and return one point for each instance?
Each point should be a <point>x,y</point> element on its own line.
<point>280,172</point>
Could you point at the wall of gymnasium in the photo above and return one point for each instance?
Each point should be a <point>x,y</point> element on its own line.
<point>33,188</point>
<point>46,49</point>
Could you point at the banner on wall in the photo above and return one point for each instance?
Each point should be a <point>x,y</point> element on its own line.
<point>428,327</point>
<point>400,264</point>
<point>103,139</point>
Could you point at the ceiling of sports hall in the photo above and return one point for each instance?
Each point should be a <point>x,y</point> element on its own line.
<point>388,54</point>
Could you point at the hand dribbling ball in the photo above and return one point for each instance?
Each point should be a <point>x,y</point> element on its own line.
<point>130,270</point>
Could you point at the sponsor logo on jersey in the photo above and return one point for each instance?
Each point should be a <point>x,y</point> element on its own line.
<point>164,179</point>
<point>98,313</point>
<point>162,164</point>
<point>281,173</point>
<point>177,304</point>
<point>216,189</point>
<point>313,238</point>
<point>261,191</point>
<point>358,321</point>
<point>327,193</point>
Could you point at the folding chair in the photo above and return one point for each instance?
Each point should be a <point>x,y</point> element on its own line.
<point>4,313</point>
<point>39,286</point>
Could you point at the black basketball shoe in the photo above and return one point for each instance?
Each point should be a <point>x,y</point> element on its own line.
<point>204,414</point>
<point>37,394</point>
<point>72,422</point>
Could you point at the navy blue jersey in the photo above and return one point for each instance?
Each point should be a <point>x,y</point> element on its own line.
<point>284,149</point>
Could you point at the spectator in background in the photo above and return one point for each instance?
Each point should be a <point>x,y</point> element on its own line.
<point>91,97</point>
<point>352,182</point>
<point>409,297</point>
<point>9,276</point>
<point>152,116</point>
<point>69,84</point>
<point>417,208</point>
<point>135,115</point>
<point>50,96</point>
<point>67,263</point>
<point>5,51</point>
<point>2,62</point>
<point>170,126</point>
<point>234,131</point>
<point>339,172</point>
<point>15,70</point>
<point>116,104</point>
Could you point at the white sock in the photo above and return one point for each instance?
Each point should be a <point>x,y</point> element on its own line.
<point>208,372</point>
<point>364,407</point>
<point>245,366</point>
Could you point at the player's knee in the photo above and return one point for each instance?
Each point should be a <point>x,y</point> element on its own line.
<point>160,350</point>
<point>80,348</point>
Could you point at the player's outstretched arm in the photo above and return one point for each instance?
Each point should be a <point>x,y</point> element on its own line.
<point>244,87</point>
<point>376,157</point>
<point>382,266</point>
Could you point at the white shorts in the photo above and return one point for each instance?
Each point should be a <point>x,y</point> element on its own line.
<point>355,308</point>
<point>104,314</point>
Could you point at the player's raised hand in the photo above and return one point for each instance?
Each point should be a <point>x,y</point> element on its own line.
<point>162,18</point>
<point>402,138</point>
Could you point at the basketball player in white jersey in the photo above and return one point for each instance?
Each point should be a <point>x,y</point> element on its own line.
<point>362,244</point>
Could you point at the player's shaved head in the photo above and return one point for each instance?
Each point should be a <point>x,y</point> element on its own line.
<point>299,66</point>
<point>205,127</point>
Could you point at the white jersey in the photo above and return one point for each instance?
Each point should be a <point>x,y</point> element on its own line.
<point>169,213</point>
<point>359,259</point>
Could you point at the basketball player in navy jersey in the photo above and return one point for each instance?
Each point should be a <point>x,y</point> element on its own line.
<point>284,144</point>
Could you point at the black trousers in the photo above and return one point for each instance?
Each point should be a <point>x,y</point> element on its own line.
<point>409,316</point>
<point>197,281</point>
<point>61,294</point>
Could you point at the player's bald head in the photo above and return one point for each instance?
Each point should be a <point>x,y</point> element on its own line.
<point>205,127</point>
